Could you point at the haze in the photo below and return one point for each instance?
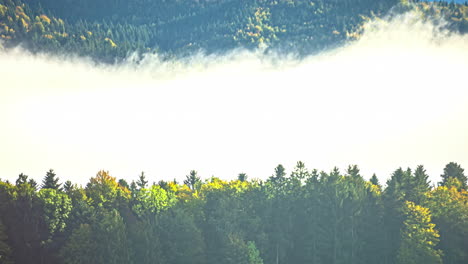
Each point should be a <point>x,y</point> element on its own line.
<point>397,97</point>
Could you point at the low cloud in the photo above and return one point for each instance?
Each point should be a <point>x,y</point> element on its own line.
<point>396,97</point>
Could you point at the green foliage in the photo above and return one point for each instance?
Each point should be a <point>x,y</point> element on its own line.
<point>102,241</point>
<point>304,216</point>
<point>152,201</point>
<point>104,190</point>
<point>57,207</point>
<point>419,237</point>
<point>182,239</point>
<point>449,209</point>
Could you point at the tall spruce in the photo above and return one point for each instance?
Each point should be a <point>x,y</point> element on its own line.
<point>454,170</point>
<point>142,182</point>
<point>192,180</point>
<point>51,181</point>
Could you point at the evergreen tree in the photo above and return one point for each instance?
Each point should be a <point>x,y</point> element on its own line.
<point>51,181</point>
<point>242,177</point>
<point>300,171</point>
<point>454,170</point>
<point>67,186</point>
<point>33,184</point>
<point>420,185</point>
<point>22,178</point>
<point>192,180</point>
<point>374,180</point>
<point>142,182</point>
<point>353,171</point>
<point>124,183</point>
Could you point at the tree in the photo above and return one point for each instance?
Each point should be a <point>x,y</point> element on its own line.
<point>22,178</point>
<point>353,171</point>
<point>420,185</point>
<point>149,202</point>
<point>124,183</point>
<point>419,237</point>
<point>449,208</point>
<point>278,179</point>
<point>5,250</point>
<point>104,240</point>
<point>374,180</point>
<point>51,181</point>
<point>142,182</point>
<point>192,180</point>
<point>300,171</point>
<point>33,184</point>
<point>454,170</point>
<point>242,177</point>
<point>104,190</point>
<point>182,241</point>
<point>67,186</point>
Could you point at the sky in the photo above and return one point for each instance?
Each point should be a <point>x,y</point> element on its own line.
<point>396,97</point>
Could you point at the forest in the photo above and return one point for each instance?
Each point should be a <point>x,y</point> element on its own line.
<point>111,30</point>
<point>298,216</point>
<point>304,216</point>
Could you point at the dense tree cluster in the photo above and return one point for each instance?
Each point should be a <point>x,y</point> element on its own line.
<point>305,216</point>
<point>110,30</point>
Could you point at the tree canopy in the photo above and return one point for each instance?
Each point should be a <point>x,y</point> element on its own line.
<point>302,216</point>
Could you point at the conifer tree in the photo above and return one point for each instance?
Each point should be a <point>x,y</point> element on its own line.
<point>374,180</point>
<point>192,180</point>
<point>242,177</point>
<point>51,181</point>
<point>454,170</point>
<point>67,186</point>
<point>142,182</point>
<point>22,178</point>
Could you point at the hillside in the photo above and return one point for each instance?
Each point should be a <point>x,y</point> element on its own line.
<point>109,30</point>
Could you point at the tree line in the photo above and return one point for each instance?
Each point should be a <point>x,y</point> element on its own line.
<point>304,216</point>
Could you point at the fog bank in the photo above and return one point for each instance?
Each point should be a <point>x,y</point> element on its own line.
<point>396,97</point>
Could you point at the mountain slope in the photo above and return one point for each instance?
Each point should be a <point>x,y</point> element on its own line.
<point>109,30</point>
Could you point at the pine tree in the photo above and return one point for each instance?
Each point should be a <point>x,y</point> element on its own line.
<point>242,177</point>
<point>51,181</point>
<point>33,183</point>
<point>374,180</point>
<point>192,180</point>
<point>142,182</point>
<point>22,178</point>
<point>67,186</point>
<point>420,185</point>
<point>454,170</point>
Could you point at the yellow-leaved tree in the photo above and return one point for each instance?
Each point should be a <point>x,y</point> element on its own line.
<point>419,237</point>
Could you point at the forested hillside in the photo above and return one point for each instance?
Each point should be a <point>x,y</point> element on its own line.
<point>109,30</point>
<point>304,216</point>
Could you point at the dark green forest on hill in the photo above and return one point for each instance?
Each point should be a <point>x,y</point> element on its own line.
<point>304,216</point>
<point>110,30</point>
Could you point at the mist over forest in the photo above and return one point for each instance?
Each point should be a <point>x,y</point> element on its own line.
<point>246,118</point>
